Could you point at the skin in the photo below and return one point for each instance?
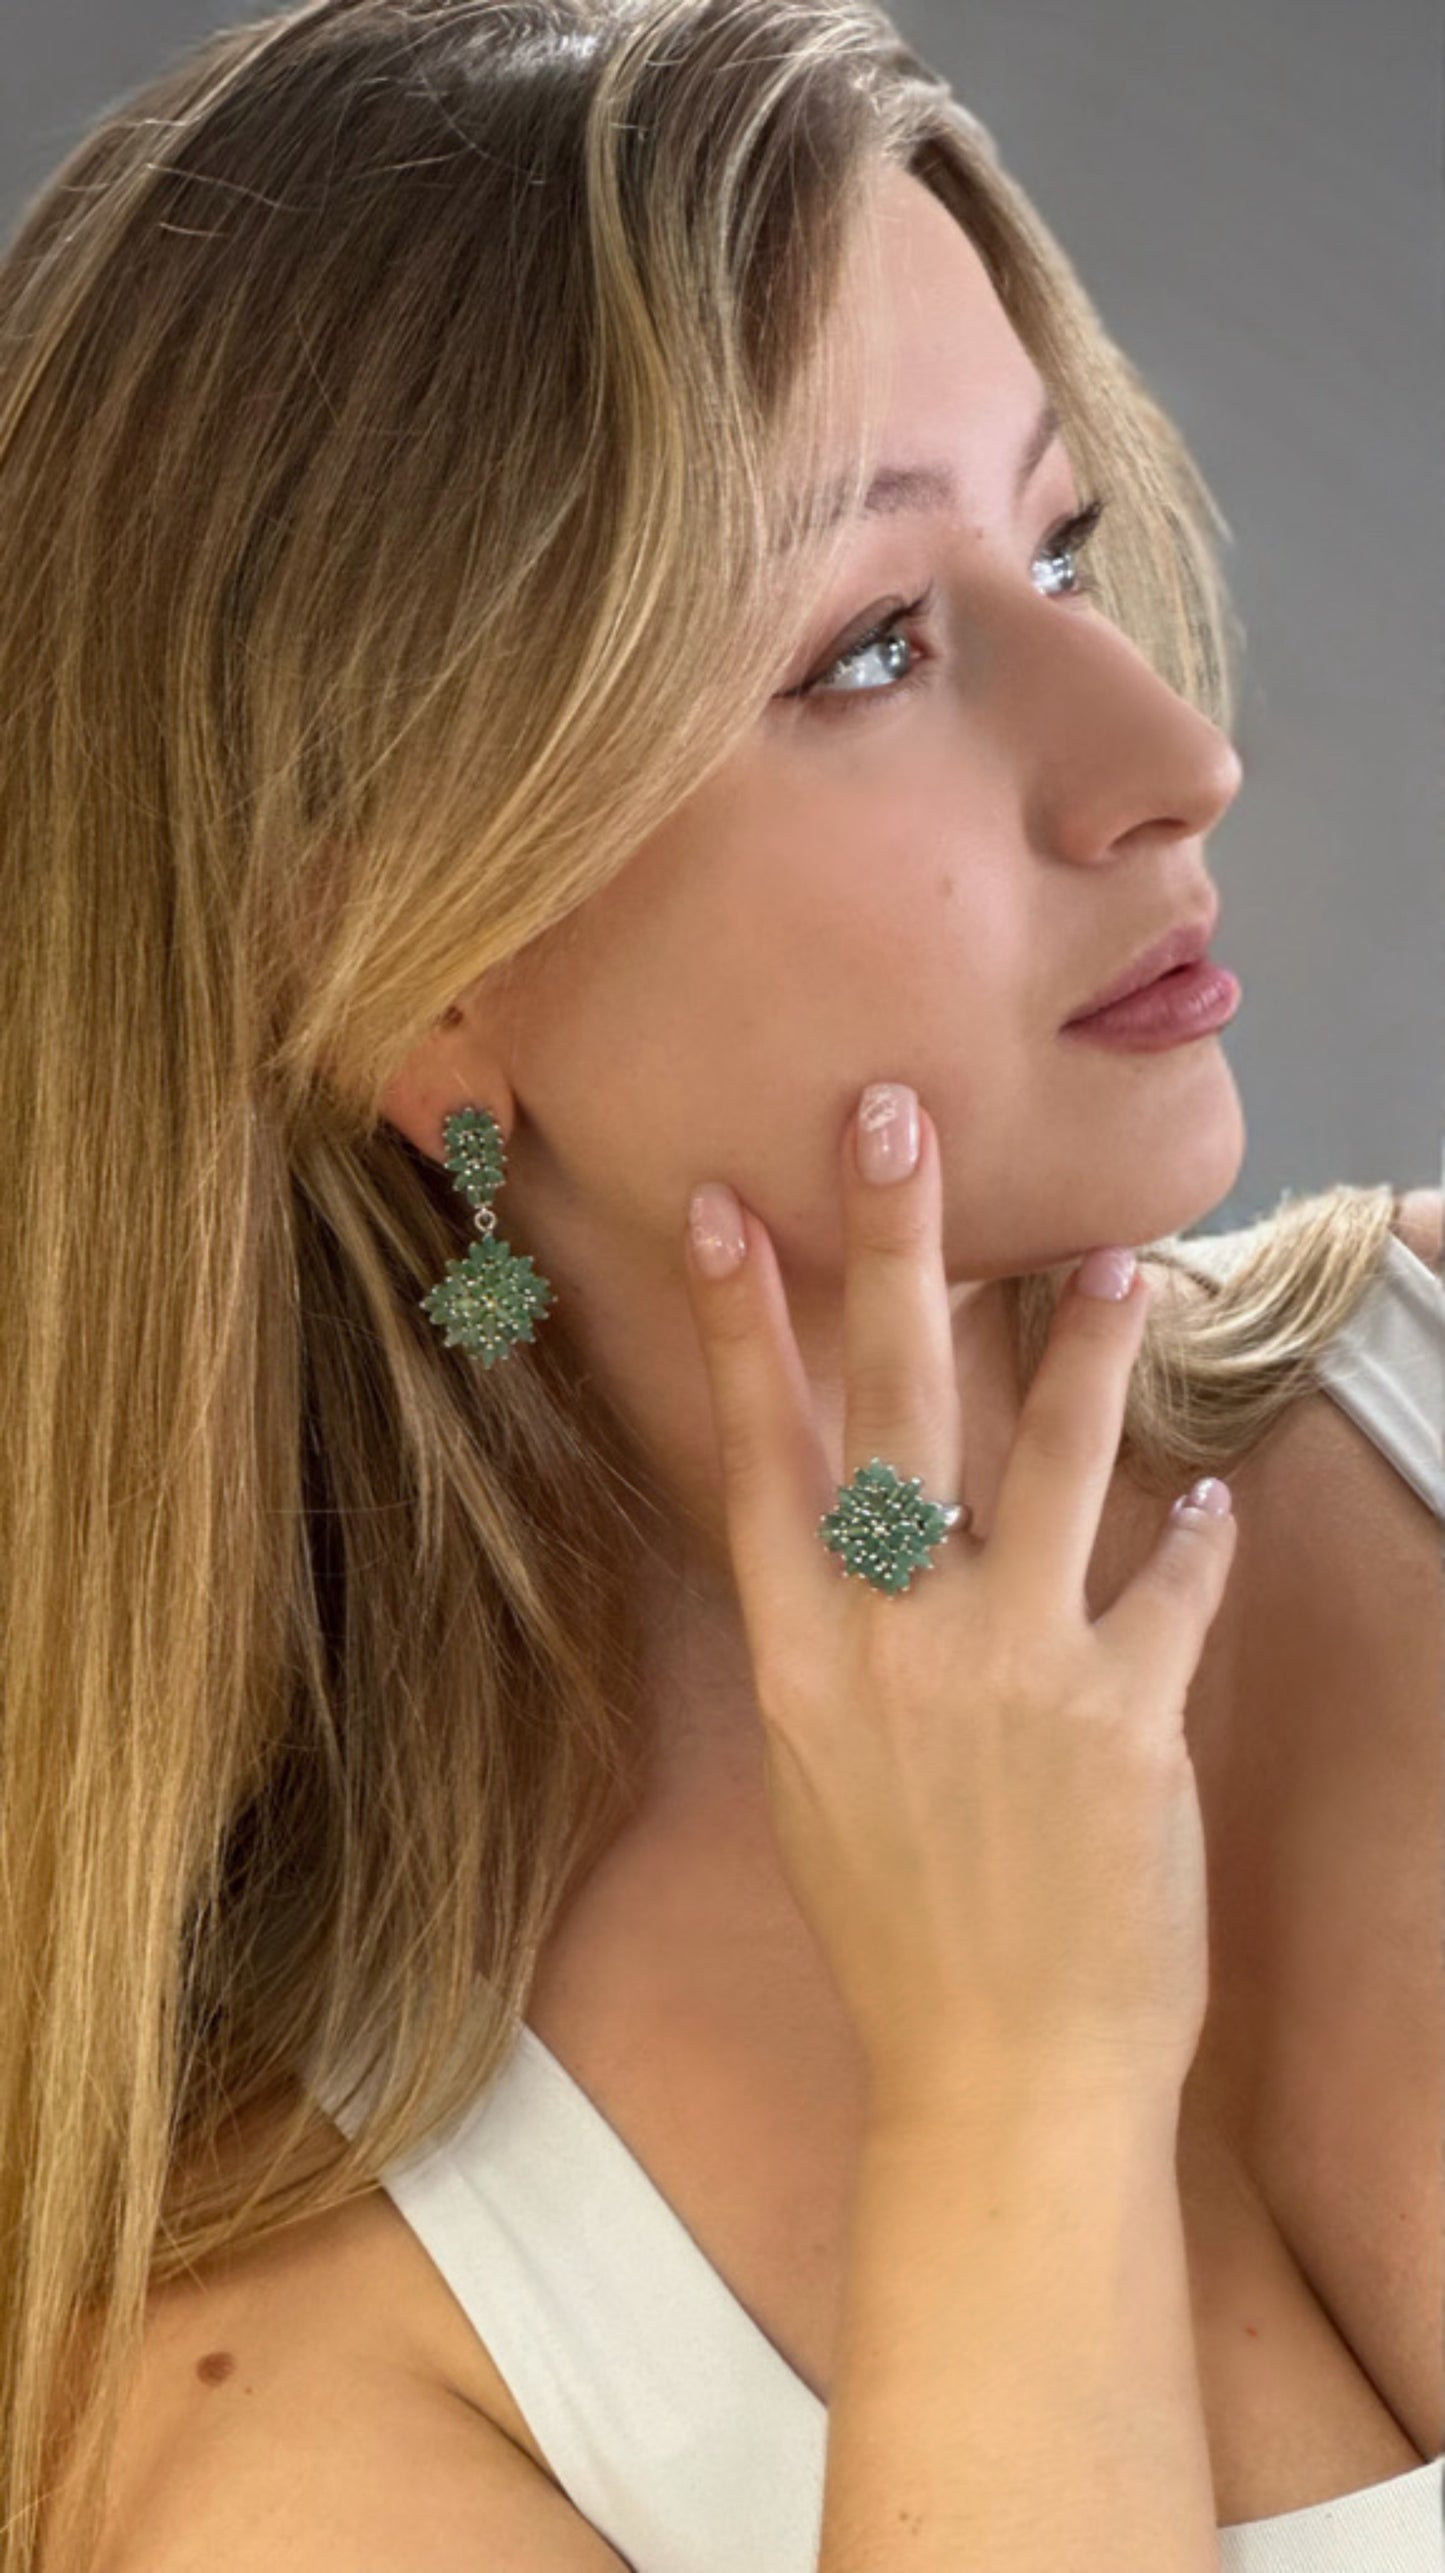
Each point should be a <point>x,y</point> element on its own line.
<point>908,885</point>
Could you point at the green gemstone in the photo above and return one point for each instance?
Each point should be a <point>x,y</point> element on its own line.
<point>488,1301</point>
<point>475,1155</point>
<point>883,1528</point>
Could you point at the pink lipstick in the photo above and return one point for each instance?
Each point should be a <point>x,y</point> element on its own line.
<point>1192,1000</point>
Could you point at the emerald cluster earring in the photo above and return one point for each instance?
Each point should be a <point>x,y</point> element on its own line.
<point>487,1301</point>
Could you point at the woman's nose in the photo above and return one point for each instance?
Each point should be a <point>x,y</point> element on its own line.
<point>1118,750</point>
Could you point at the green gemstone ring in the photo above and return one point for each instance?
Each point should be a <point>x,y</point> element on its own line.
<point>884,1529</point>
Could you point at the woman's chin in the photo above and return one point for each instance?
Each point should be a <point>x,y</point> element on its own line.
<point>1199,1177</point>
<point>1150,1193</point>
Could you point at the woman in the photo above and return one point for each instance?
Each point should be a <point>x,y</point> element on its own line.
<point>548,639</point>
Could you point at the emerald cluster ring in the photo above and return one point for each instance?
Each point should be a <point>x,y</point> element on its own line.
<point>884,1529</point>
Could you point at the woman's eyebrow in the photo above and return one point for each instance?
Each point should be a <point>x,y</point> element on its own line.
<point>935,486</point>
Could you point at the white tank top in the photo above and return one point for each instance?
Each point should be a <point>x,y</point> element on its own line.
<point>668,2417</point>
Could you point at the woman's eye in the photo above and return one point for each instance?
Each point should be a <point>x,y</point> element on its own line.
<point>880,647</point>
<point>852,674</point>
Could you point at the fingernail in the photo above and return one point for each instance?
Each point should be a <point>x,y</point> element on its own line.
<point>1208,1494</point>
<point>715,1225</point>
<point>887,1131</point>
<point>1107,1273</point>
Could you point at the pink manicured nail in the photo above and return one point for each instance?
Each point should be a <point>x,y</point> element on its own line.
<point>715,1224</point>
<point>887,1131</point>
<point>1208,1494</point>
<point>1107,1273</point>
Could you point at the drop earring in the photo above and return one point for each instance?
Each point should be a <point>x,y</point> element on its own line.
<point>487,1301</point>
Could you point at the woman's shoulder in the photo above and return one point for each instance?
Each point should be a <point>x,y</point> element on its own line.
<point>1335,1584</point>
<point>1327,1495</point>
<point>295,2404</point>
<point>329,2353</point>
<point>1420,1224</point>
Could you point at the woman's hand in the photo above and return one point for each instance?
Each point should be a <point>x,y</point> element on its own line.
<point>982,1799</point>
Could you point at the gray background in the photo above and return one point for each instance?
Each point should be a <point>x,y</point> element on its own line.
<point>1252,197</point>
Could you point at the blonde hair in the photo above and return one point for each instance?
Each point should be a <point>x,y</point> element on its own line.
<point>392,532</point>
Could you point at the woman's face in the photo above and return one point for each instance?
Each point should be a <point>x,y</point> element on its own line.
<point>888,881</point>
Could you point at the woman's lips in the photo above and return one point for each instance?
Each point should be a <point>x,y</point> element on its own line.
<point>1185,944</point>
<point>1189,1001</point>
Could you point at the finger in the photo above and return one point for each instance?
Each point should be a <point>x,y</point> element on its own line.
<point>901,1401</point>
<point>1160,1622</point>
<point>775,1476</point>
<point>1066,1446</point>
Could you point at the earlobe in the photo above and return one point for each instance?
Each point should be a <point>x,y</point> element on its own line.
<point>436,1078</point>
<point>412,1102</point>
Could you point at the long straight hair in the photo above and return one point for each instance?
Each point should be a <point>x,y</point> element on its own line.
<point>412,416</point>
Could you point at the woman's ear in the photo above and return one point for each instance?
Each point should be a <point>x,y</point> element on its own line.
<point>454,1065</point>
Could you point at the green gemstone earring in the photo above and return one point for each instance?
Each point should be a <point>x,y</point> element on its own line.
<point>486,1302</point>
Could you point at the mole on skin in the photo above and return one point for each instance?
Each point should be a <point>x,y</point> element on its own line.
<point>215,2367</point>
